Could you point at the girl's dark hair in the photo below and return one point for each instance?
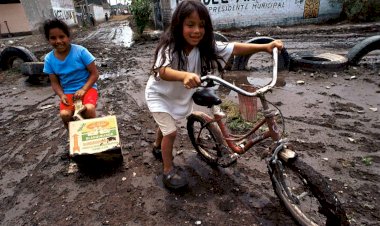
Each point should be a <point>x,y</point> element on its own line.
<point>173,39</point>
<point>55,23</point>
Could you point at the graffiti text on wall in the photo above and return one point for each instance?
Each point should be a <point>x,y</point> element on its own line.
<point>63,14</point>
<point>216,6</point>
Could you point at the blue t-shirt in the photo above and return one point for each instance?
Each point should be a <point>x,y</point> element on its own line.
<point>71,72</point>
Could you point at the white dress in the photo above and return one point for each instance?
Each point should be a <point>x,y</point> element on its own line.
<point>171,96</point>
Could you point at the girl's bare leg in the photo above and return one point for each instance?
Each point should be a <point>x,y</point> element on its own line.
<point>167,149</point>
<point>158,141</point>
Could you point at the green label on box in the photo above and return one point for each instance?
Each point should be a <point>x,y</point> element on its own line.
<point>109,133</point>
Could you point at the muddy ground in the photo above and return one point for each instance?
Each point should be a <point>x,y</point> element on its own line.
<point>332,119</point>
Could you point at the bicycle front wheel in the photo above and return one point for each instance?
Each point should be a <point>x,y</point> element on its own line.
<point>306,194</point>
<point>205,137</point>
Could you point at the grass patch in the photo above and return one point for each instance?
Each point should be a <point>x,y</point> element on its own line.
<point>367,161</point>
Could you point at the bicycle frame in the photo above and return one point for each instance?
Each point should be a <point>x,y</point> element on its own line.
<point>239,144</point>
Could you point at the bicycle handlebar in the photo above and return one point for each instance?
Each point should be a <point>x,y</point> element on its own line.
<point>241,91</point>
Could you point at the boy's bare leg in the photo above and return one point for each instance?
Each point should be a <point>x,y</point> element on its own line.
<point>66,116</point>
<point>90,111</point>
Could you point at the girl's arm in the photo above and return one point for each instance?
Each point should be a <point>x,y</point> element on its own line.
<point>57,88</point>
<point>190,80</point>
<point>249,48</point>
<point>94,75</point>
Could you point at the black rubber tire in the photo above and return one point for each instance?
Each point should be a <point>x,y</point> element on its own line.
<point>317,62</point>
<point>240,62</point>
<point>214,142</point>
<point>220,37</point>
<point>9,54</point>
<point>319,188</point>
<point>356,53</point>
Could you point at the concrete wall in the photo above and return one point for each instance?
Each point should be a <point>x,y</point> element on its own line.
<point>64,10</point>
<point>244,13</point>
<point>15,18</point>
<point>98,12</point>
<point>36,11</point>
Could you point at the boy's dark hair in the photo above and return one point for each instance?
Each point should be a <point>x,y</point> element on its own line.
<point>55,23</point>
<point>173,38</point>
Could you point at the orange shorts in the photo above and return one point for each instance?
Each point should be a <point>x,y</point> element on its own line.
<point>91,97</point>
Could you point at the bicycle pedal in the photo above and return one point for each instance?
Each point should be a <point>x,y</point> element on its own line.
<point>228,160</point>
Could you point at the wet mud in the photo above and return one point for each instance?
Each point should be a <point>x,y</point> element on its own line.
<point>331,119</point>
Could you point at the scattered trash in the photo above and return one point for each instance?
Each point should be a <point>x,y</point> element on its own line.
<point>73,168</point>
<point>326,159</point>
<point>46,106</point>
<point>351,139</point>
<point>328,87</point>
<point>198,222</point>
<point>300,82</point>
<point>373,109</point>
<point>134,174</point>
<point>123,179</point>
<point>353,77</point>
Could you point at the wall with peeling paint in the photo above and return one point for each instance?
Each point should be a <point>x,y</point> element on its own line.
<point>13,19</point>
<point>244,13</point>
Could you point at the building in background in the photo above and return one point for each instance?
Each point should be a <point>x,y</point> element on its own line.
<point>245,13</point>
<point>19,17</point>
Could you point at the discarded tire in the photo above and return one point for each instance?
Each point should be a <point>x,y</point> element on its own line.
<point>220,37</point>
<point>9,54</point>
<point>240,62</point>
<point>317,62</point>
<point>356,53</point>
<point>32,68</point>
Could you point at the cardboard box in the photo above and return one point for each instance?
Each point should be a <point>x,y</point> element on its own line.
<point>94,136</point>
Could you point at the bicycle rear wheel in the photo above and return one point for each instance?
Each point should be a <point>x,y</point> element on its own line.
<point>306,194</point>
<point>206,138</point>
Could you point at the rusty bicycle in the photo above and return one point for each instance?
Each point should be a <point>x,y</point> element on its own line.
<point>303,191</point>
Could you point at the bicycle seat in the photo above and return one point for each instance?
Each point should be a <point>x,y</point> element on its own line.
<point>206,97</point>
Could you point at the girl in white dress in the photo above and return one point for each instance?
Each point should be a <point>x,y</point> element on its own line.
<point>186,51</point>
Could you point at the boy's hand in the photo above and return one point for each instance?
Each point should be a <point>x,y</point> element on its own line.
<point>191,80</point>
<point>276,43</point>
<point>64,100</point>
<point>79,94</point>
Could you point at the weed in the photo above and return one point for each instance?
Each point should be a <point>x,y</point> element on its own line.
<point>367,160</point>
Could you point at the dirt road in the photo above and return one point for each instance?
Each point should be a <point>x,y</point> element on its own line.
<point>331,119</point>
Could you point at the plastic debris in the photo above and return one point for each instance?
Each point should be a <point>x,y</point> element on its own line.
<point>46,106</point>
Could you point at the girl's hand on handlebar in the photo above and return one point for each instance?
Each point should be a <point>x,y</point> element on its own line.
<point>191,80</point>
<point>275,44</point>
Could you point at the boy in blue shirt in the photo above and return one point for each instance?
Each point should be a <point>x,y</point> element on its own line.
<point>72,71</point>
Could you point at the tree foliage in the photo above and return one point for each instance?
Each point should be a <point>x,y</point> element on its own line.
<point>141,11</point>
<point>360,10</point>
